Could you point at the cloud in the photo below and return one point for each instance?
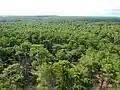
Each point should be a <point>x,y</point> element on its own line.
<point>113,12</point>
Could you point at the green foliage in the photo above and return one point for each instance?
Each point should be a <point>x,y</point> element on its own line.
<point>59,54</point>
<point>11,76</point>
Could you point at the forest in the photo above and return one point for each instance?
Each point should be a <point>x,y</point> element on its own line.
<point>59,54</point>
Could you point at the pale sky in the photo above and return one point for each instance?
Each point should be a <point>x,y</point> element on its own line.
<point>60,7</point>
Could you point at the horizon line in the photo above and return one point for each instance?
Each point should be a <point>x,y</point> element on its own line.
<point>61,15</point>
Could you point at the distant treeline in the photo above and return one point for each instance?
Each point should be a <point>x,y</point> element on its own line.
<point>8,20</point>
<point>83,18</point>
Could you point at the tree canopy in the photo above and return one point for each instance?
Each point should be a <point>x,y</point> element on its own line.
<point>59,54</point>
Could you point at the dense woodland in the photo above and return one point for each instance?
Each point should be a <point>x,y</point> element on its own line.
<point>59,54</point>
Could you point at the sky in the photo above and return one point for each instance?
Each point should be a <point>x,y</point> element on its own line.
<point>60,7</point>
